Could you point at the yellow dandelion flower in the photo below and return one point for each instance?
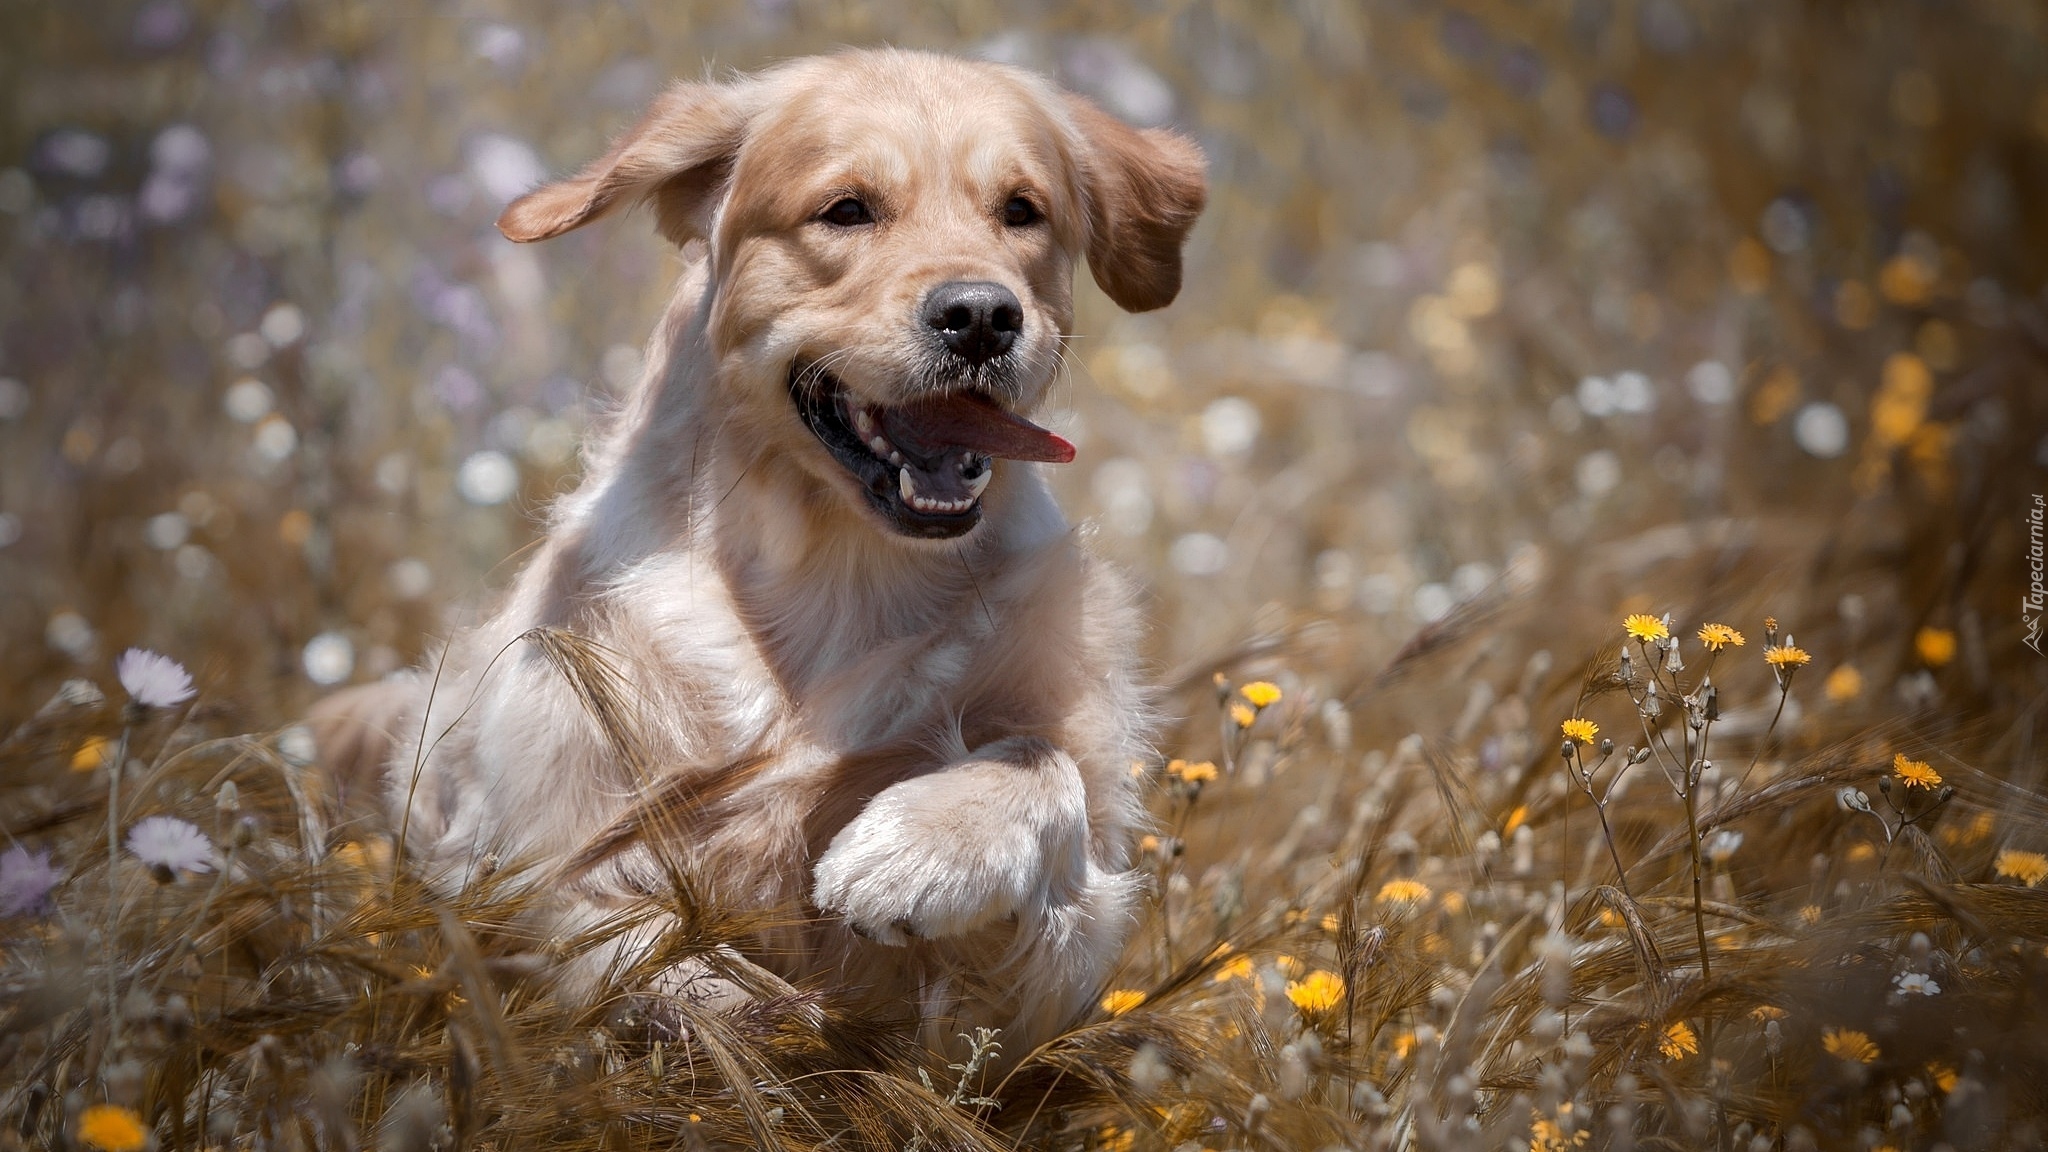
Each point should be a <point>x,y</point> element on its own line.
<point>1678,1041</point>
<point>1943,1075</point>
<point>1239,968</point>
<point>1646,628</point>
<point>1809,915</point>
<point>1935,646</point>
<point>1609,918</point>
<point>1200,772</point>
<point>1319,991</point>
<point>90,754</point>
<point>1452,903</point>
<point>1111,1138</point>
<point>1787,655</point>
<point>1332,922</point>
<point>2029,868</point>
<point>1916,773</point>
<point>1849,1044</point>
<point>1770,623</point>
<point>1719,636</point>
<point>1765,1013</point>
<point>1547,1135</point>
<point>1580,731</point>
<point>1242,715</point>
<point>1516,819</point>
<point>1149,845</point>
<point>112,1128</point>
<point>1403,1045</point>
<point>1403,892</point>
<point>1261,693</point>
<point>1844,683</point>
<point>1122,1000</point>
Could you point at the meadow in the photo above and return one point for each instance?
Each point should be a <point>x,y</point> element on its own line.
<point>1589,499</point>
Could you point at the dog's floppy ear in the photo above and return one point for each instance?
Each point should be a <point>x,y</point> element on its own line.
<point>677,156</point>
<point>1144,188</point>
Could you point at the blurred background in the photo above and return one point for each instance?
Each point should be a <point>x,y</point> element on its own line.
<point>1562,308</point>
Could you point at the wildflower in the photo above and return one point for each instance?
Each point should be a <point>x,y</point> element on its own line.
<point>1935,646</point>
<point>1678,1041</point>
<point>1943,1075</point>
<point>1242,715</point>
<point>1646,628</point>
<point>1516,819</point>
<point>1403,1045</point>
<point>1261,693</point>
<point>1319,991</point>
<point>25,881</point>
<point>1122,1000</point>
<point>1916,984</point>
<point>1844,683</point>
<point>1239,968</point>
<point>1849,1044</point>
<point>1332,923</point>
<point>1765,1013</point>
<point>90,755</point>
<point>2029,868</point>
<point>1111,1138</point>
<point>1719,636</point>
<point>112,1128</point>
<point>1722,845</point>
<point>170,846</point>
<point>1787,655</point>
<point>1547,1135</point>
<point>1580,731</point>
<point>153,680</point>
<point>1916,773</point>
<point>1403,892</point>
<point>1200,772</point>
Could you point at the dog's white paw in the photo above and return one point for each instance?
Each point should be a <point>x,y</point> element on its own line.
<point>952,851</point>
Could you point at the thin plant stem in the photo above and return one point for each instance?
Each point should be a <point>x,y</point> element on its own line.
<point>114,888</point>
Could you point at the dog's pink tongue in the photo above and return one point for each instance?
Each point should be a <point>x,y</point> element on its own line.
<point>931,428</point>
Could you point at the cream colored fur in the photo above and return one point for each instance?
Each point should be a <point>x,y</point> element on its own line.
<point>920,749</point>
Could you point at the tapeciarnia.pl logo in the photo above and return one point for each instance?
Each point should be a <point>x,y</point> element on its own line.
<point>2037,569</point>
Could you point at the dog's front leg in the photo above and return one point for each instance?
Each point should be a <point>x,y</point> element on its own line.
<point>1001,832</point>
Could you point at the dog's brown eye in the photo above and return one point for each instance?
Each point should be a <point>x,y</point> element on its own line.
<point>847,213</point>
<point>1019,212</point>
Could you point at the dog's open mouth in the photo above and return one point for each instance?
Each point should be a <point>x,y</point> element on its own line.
<point>923,465</point>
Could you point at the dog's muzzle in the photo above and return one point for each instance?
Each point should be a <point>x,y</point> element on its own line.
<point>924,464</point>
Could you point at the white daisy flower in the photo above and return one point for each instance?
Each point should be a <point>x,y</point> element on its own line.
<point>170,846</point>
<point>25,881</point>
<point>1916,984</point>
<point>153,680</point>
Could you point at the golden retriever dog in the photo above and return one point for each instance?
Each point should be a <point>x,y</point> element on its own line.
<point>857,666</point>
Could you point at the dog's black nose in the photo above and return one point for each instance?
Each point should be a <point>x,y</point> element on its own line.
<point>975,318</point>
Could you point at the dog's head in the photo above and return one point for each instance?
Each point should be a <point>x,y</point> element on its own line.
<point>892,241</point>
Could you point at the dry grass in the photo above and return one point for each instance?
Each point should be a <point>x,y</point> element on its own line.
<point>1380,455</point>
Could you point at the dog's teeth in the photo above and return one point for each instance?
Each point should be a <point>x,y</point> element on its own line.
<point>880,447</point>
<point>865,425</point>
<point>907,486</point>
<point>979,484</point>
<point>895,457</point>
